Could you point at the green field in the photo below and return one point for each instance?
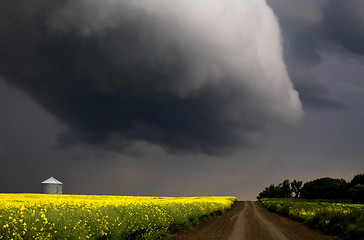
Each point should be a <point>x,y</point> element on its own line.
<point>333,217</point>
<point>39,216</point>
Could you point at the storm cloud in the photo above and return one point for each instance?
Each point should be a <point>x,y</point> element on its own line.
<point>202,76</point>
<point>314,28</point>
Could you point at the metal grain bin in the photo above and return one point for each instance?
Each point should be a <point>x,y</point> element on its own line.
<point>51,186</point>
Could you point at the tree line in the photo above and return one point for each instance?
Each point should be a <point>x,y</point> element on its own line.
<point>322,188</point>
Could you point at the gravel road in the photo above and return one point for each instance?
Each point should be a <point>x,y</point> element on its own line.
<point>251,221</point>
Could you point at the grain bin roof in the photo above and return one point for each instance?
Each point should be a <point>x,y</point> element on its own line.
<point>52,180</point>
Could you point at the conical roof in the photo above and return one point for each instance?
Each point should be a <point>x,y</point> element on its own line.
<point>52,180</point>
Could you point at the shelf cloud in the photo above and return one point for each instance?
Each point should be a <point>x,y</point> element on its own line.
<point>312,28</point>
<point>197,76</point>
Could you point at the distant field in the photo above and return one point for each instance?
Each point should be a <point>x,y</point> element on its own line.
<point>339,218</point>
<point>39,216</point>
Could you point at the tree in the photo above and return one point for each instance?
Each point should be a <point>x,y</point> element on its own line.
<point>269,192</point>
<point>283,190</point>
<point>357,188</point>
<point>357,179</point>
<point>357,193</point>
<point>325,188</point>
<point>296,187</point>
<point>322,188</point>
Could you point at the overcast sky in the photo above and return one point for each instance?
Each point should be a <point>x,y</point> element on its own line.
<point>179,98</point>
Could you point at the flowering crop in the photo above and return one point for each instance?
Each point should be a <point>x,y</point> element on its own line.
<point>340,218</point>
<point>40,216</point>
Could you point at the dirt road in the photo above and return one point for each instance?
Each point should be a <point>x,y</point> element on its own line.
<point>251,221</point>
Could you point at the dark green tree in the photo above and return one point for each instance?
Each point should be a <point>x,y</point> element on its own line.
<point>269,192</point>
<point>325,188</point>
<point>296,187</point>
<point>283,190</point>
<point>357,179</point>
<point>357,193</point>
<point>357,188</point>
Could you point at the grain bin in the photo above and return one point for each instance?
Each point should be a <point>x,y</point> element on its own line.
<point>51,186</point>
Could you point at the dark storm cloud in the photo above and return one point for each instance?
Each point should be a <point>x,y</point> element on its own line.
<point>188,77</point>
<point>343,24</point>
<point>310,28</point>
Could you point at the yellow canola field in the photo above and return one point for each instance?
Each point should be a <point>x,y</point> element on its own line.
<point>40,216</point>
<point>307,209</point>
<point>337,218</point>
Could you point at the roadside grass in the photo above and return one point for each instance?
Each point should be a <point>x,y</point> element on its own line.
<point>333,217</point>
<point>39,216</point>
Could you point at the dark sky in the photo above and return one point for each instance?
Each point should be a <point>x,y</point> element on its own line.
<point>178,98</point>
